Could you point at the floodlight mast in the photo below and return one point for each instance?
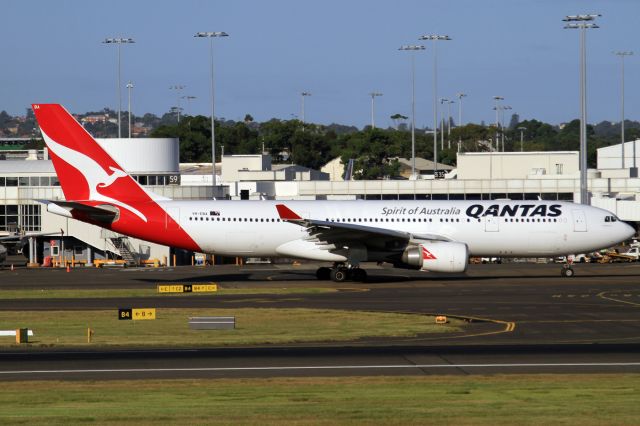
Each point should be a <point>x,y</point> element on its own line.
<point>522,130</point>
<point>189,98</point>
<point>435,38</point>
<point>119,41</point>
<point>302,96</point>
<point>442,102</point>
<point>582,22</point>
<point>373,97</point>
<point>129,87</point>
<point>412,48</point>
<point>178,88</point>
<point>449,122</point>
<point>622,55</point>
<point>460,96</point>
<point>211,35</point>
<point>497,100</point>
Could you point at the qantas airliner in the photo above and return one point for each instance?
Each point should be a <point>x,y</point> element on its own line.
<point>437,236</point>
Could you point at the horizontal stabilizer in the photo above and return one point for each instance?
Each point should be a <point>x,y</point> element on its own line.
<point>104,213</point>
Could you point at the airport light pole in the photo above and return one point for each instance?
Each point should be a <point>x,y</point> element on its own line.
<point>449,123</point>
<point>460,96</point>
<point>502,110</point>
<point>211,35</point>
<point>412,49</point>
<point>522,130</point>
<point>497,100</point>
<point>129,87</point>
<point>118,41</point>
<point>189,98</point>
<point>622,55</point>
<point>178,88</point>
<point>302,96</point>
<point>435,38</point>
<point>582,23</point>
<point>442,102</point>
<point>373,97</point>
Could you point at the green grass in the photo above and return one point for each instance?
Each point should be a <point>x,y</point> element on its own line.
<point>254,326</point>
<point>443,400</point>
<point>147,292</point>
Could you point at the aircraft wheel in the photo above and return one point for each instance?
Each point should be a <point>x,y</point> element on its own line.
<point>359,274</point>
<point>323,273</point>
<point>568,272</point>
<point>339,275</point>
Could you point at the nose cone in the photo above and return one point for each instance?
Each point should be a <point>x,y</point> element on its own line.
<point>626,231</point>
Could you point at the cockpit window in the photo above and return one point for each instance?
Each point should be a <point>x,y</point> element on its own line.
<point>610,219</point>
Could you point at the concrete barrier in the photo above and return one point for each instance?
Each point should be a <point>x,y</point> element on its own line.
<point>212,323</point>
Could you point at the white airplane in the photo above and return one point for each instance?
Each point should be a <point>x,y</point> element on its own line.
<point>436,236</point>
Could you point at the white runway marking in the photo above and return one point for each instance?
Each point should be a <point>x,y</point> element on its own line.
<point>322,367</point>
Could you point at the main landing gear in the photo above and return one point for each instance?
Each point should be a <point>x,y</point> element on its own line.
<point>341,272</point>
<point>567,270</point>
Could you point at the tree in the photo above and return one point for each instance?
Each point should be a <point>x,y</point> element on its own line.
<point>195,138</point>
<point>5,118</point>
<point>513,123</point>
<point>374,152</point>
<point>396,118</point>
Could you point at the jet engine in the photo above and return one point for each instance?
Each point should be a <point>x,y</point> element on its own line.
<point>437,256</point>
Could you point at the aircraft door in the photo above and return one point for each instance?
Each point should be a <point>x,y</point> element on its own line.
<point>491,224</point>
<point>579,221</point>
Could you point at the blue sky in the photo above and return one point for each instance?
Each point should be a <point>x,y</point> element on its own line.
<point>338,50</point>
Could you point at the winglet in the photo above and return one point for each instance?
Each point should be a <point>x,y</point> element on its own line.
<point>286,213</point>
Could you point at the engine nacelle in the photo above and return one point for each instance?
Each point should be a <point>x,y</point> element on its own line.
<point>437,256</point>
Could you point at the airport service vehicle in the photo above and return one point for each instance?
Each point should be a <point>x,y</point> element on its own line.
<point>437,236</point>
<point>631,255</point>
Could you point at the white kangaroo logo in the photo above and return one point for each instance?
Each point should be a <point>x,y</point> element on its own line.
<point>92,171</point>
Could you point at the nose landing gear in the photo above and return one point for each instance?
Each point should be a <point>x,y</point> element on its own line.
<point>567,270</point>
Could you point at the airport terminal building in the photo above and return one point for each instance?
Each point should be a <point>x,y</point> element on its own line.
<point>28,176</point>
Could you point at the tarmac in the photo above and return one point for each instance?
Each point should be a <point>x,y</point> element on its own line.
<point>520,318</point>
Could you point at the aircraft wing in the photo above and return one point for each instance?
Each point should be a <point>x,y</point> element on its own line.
<point>341,232</point>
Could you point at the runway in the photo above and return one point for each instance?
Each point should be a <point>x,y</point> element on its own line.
<point>524,318</point>
<point>296,362</point>
<point>508,304</point>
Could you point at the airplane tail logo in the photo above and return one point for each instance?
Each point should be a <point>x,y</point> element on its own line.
<point>85,170</point>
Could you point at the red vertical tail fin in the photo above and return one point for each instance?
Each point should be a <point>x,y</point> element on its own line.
<point>91,178</point>
<point>85,170</point>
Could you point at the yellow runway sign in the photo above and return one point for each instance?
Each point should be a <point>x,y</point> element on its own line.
<point>187,288</point>
<point>137,314</point>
